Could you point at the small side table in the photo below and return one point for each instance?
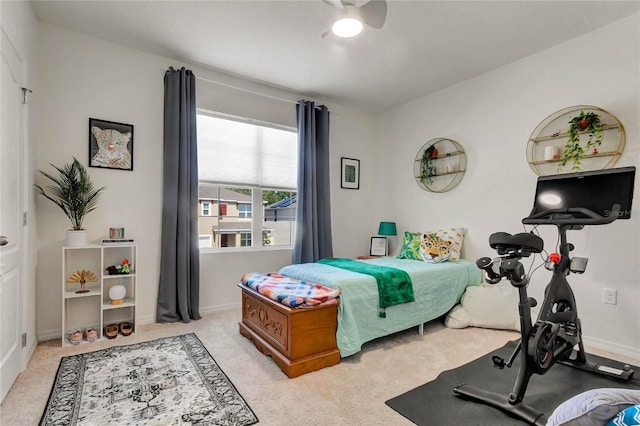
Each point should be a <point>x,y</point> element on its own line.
<point>367,257</point>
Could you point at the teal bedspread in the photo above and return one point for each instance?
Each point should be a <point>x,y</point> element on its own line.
<point>436,287</point>
<point>394,285</point>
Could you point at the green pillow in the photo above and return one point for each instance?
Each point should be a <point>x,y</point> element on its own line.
<point>410,246</point>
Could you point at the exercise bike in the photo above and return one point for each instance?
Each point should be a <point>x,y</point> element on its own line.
<point>556,335</point>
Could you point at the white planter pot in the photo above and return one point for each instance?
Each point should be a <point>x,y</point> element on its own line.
<point>75,238</point>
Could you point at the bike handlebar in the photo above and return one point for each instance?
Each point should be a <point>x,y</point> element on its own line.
<point>511,268</point>
<point>569,217</point>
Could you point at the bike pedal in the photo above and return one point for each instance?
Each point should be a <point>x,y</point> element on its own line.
<point>498,362</point>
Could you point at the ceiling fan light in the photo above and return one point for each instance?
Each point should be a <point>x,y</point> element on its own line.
<point>347,27</point>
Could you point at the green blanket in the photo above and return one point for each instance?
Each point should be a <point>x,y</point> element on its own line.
<point>394,285</point>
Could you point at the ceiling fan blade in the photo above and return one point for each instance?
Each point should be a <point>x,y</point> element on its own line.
<point>374,13</point>
<point>333,3</point>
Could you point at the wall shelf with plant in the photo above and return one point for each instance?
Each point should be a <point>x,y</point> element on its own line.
<point>440,165</point>
<point>577,138</point>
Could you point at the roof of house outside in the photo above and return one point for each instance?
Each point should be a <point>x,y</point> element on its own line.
<point>287,202</point>
<point>210,192</point>
<point>231,227</point>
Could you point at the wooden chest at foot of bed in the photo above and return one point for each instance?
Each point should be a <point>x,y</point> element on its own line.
<point>299,340</point>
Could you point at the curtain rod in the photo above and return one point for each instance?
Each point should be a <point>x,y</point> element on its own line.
<point>253,92</point>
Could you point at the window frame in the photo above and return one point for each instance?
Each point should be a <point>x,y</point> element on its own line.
<point>243,214</point>
<point>257,215</point>
<point>244,238</point>
<point>208,208</point>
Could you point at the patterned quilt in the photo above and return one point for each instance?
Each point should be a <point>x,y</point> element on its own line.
<point>290,292</point>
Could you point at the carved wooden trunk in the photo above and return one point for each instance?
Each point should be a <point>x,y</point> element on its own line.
<point>299,340</point>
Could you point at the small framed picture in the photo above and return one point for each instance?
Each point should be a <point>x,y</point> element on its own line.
<point>350,173</point>
<point>110,144</point>
<point>378,246</point>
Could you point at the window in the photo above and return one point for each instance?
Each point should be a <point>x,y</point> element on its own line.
<point>206,208</point>
<point>244,211</point>
<point>247,172</point>
<point>245,239</point>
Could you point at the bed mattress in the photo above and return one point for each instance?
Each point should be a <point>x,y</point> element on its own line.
<point>436,287</point>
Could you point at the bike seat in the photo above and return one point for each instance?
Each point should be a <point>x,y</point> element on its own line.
<point>521,241</point>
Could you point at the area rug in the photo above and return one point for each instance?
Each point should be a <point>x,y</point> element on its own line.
<point>168,381</point>
<point>434,403</point>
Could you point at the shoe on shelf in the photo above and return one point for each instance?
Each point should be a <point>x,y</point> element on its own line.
<point>90,334</point>
<point>111,331</point>
<point>126,328</point>
<point>75,337</point>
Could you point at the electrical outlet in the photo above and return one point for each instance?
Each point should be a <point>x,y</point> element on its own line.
<point>610,296</point>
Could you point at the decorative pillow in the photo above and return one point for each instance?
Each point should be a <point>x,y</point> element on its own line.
<point>627,417</point>
<point>593,407</point>
<point>486,306</point>
<point>410,246</point>
<point>439,246</point>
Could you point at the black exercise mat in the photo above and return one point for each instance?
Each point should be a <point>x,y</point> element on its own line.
<point>435,403</point>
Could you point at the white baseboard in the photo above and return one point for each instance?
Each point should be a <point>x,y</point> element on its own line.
<point>614,348</point>
<point>43,335</point>
<point>221,308</point>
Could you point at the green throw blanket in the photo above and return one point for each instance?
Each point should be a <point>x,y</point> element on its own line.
<point>394,285</point>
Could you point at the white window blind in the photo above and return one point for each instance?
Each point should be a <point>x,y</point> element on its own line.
<point>237,153</point>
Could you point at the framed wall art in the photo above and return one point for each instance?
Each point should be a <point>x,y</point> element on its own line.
<point>378,246</point>
<point>110,144</point>
<point>350,173</point>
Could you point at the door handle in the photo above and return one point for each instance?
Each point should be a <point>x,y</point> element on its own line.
<point>3,240</point>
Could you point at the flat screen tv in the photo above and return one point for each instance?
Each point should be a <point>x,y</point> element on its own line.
<point>607,193</point>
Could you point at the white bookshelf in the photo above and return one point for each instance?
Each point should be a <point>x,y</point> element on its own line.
<point>94,308</point>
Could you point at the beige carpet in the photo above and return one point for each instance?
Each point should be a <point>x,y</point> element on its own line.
<point>351,393</point>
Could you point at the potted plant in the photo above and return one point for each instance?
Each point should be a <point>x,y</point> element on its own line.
<point>426,165</point>
<point>72,191</point>
<point>585,122</point>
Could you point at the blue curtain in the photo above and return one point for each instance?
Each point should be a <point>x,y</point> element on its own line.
<point>179,288</point>
<point>313,207</point>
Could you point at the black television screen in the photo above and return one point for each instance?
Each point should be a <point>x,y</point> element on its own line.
<point>604,192</point>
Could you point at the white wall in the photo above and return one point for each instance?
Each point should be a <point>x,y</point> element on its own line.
<point>492,116</point>
<point>84,77</point>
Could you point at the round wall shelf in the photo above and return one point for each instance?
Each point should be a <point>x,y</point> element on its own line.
<point>440,165</point>
<point>548,141</point>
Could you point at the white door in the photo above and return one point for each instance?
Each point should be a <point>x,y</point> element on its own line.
<point>11,231</point>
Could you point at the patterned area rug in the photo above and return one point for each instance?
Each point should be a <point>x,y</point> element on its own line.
<point>168,381</point>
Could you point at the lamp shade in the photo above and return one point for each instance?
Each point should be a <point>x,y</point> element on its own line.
<point>387,228</point>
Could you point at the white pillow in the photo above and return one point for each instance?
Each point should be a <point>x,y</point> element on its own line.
<point>487,306</point>
<point>594,407</point>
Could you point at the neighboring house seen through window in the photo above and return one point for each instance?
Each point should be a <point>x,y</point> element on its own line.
<point>247,174</point>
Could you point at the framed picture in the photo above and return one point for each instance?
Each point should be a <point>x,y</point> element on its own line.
<point>110,144</point>
<point>378,246</point>
<point>350,173</point>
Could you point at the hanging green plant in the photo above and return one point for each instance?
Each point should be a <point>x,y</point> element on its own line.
<point>426,165</point>
<point>586,122</point>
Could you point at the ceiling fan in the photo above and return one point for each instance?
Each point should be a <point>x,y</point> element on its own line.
<point>349,22</point>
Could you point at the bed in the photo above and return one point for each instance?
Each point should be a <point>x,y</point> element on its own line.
<point>436,287</point>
